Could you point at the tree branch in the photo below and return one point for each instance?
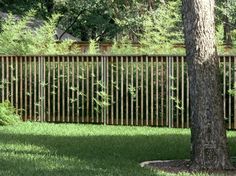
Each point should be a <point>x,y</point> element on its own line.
<point>70,26</point>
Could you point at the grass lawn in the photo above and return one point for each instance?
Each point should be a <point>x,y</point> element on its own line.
<point>32,149</point>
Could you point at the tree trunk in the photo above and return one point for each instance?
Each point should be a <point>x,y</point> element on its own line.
<point>49,6</point>
<point>208,134</point>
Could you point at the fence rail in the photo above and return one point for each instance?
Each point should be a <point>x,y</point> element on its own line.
<point>124,90</point>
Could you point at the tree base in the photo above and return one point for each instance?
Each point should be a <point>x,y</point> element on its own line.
<point>196,167</point>
<point>177,166</point>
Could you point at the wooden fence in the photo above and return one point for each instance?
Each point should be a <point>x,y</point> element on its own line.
<point>124,90</point>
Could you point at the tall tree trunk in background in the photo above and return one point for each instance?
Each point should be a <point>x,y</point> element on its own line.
<point>208,134</point>
<point>84,33</point>
<point>227,31</point>
<point>226,24</point>
<point>49,6</point>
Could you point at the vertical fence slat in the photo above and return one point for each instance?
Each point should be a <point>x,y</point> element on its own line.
<point>92,90</point>
<point>63,88</point>
<point>58,90</point>
<point>117,91</point>
<point>141,86</point>
<point>35,89</point>
<point>167,91</point>
<point>137,93</point>
<point>68,91</point>
<point>48,63</point>
<point>172,91</point>
<point>7,78</point>
<point>230,79</point>
<point>127,91</point>
<point>102,88</point>
<point>112,90</point>
<point>87,90</point>
<point>73,89</point>
<point>234,95</point>
<point>146,89</point>
<point>122,91</point>
<point>78,89</point>
<point>16,85</point>
<point>157,91</point>
<point>44,89</point>
<point>30,89</point>
<point>53,89</point>
<point>21,86</point>
<point>3,78</point>
<point>97,89</point>
<point>162,92</point>
<point>83,94</point>
<point>25,88</point>
<point>187,100</point>
<point>39,89</point>
<point>177,92</point>
<point>132,95</point>
<point>182,93</point>
<point>152,93</point>
<point>12,85</point>
<point>107,88</point>
<point>224,88</point>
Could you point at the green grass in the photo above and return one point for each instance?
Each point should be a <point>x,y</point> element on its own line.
<point>33,149</point>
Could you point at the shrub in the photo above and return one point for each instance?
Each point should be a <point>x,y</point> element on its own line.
<point>124,46</point>
<point>93,48</point>
<point>8,115</point>
<point>18,38</point>
<point>162,28</point>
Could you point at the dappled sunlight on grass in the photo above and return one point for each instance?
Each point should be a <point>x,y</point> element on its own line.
<point>57,149</point>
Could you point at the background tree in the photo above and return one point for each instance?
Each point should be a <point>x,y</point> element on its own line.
<point>208,134</point>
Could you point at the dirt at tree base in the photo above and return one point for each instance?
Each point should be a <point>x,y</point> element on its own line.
<point>177,166</point>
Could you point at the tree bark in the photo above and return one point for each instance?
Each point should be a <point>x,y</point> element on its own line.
<point>208,134</point>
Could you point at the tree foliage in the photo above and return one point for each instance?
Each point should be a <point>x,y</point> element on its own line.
<point>155,24</point>
<point>18,37</point>
<point>162,28</point>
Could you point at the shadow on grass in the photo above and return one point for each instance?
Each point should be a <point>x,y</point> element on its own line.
<point>87,155</point>
<point>24,154</point>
